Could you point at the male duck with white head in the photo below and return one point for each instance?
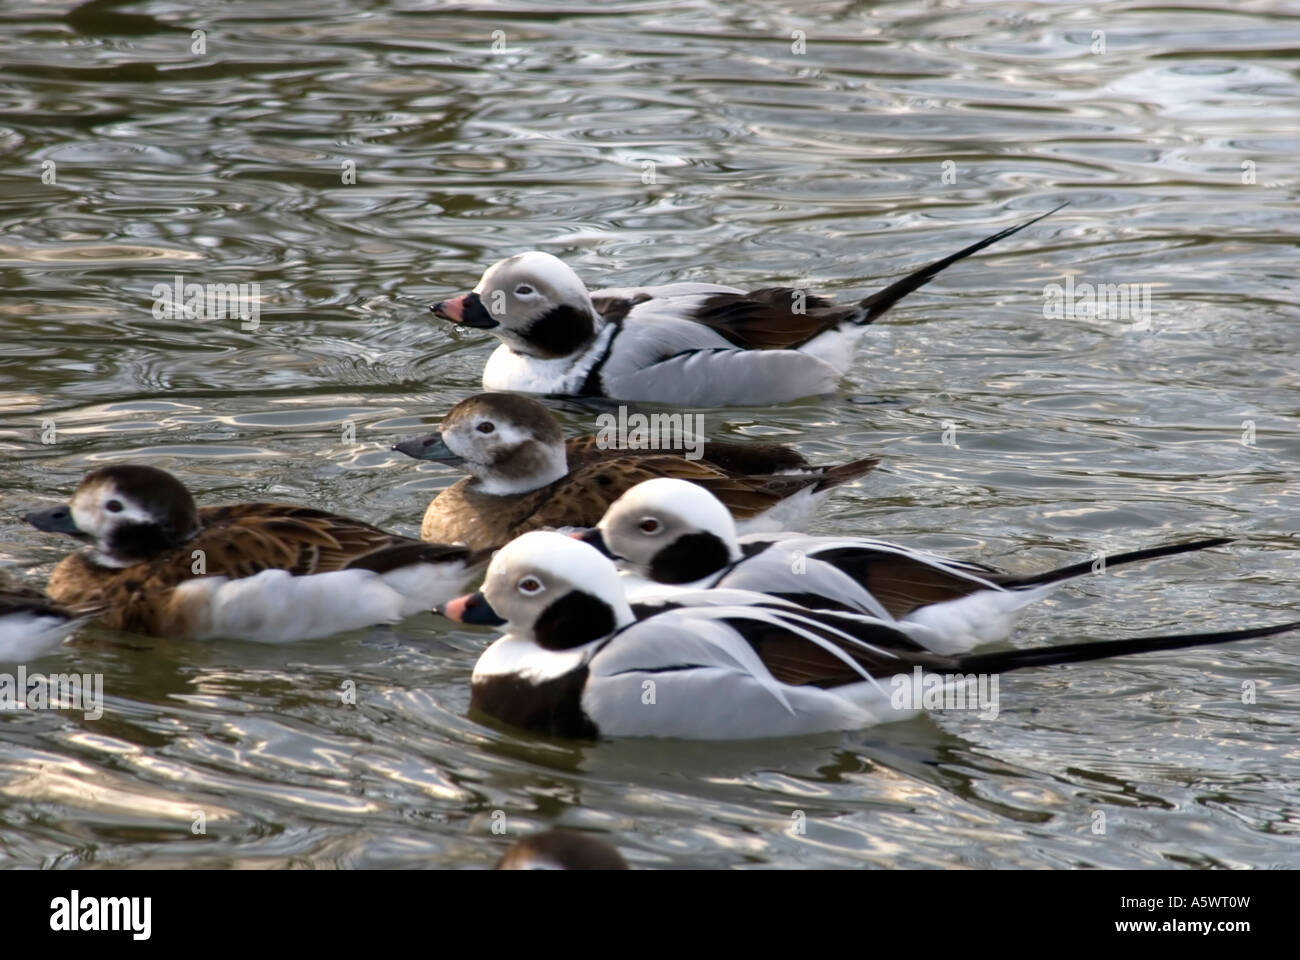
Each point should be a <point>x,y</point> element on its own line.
<point>668,535</point>
<point>577,660</point>
<point>688,344</point>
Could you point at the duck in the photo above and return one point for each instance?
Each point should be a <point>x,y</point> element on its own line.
<point>525,476</point>
<point>577,661</point>
<point>671,536</point>
<point>158,565</point>
<point>31,624</point>
<point>688,344</point>
<point>562,850</point>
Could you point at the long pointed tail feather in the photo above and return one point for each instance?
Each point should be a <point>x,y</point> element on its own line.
<point>1005,660</point>
<point>876,304</point>
<point>834,476</point>
<point>1111,560</point>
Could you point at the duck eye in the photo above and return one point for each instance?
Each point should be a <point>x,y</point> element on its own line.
<point>523,290</point>
<point>649,525</point>
<point>530,586</point>
<point>485,427</point>
<point>113,506</point>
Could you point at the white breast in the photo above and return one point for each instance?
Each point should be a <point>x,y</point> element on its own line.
<point>510,655</point>
<point>507,370</point>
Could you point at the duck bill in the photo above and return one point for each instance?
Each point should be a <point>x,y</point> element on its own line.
<point>472,608</point>
<point>467,310</point>
<point>55,520</point>
<point>430,446</point>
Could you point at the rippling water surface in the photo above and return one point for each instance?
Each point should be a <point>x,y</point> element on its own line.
<point>825,168</point>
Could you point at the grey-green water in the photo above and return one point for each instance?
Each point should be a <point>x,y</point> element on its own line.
<point>824,167</point>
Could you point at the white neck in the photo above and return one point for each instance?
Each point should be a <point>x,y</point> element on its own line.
<point>514,654</point>
<point>553,465</point>
<point>104,560</point>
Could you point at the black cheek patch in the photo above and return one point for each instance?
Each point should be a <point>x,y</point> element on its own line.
<point>561,331</point>
<point>141,541</point>
<point>688,558</point>
<point>575,619</point>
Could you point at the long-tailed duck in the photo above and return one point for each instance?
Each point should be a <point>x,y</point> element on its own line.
<point>677,535</point>
<point>576,661</point>
<point>524,476</point>
<point>562,850</point>
<point>268,572</point>
<point>690,344</point>
<point>31,624</point>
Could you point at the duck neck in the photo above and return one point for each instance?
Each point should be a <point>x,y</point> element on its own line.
<point>529,467</point>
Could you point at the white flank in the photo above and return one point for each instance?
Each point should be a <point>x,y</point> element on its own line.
<point>276,607</point>
<point>793,513</point>
<point>836,346</point>
<point>972,621</point>
<point>27,636</point>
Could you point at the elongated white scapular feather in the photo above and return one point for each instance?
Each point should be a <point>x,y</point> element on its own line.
<point>424,585</point>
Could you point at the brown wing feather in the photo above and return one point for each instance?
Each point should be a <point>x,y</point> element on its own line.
<point>246,539</point>
<point>767,319</point>
<point>17,597</point>
<point>793,659</point>
<point>728,456</point>
<point>614,309</point>
<point>901,583</point>
<point>585,449</point>
<point>589,491</point>
<point>581,498</point>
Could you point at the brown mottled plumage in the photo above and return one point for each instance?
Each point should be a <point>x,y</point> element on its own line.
<point>17,597</point>
<point>525,476</point>
<point>157,539</point>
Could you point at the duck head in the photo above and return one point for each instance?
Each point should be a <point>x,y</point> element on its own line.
<point>510,444</point>
<point>549,589</point>
<point>129,513</point>
<point>670,531</point>
<point>533,303</point>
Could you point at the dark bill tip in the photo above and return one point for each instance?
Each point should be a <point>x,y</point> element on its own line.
<point>474,314</point>
<point>54,520</point>
<point>466,311</point>
<point>471,608</point>
<point>430,446</point>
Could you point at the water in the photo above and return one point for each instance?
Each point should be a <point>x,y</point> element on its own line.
<point>823,168</point>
